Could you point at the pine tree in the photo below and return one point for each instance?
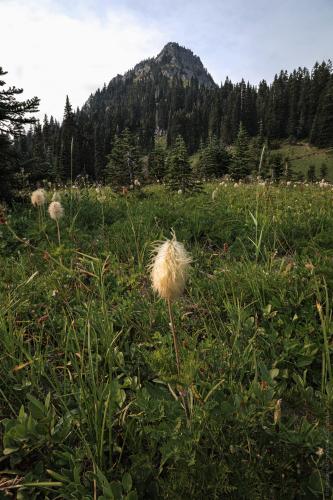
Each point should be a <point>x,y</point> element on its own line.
<point>124,164</point>
<point>277,167</point>
<point>311,174</point>
<point>241,163</point>
<point>40,165</point>
<point>320,77</point>
<point>322,129</point>
<point>206,165</point>
<point>213,160</point>
<point>157,161</point>
<point>179,173</point>
<point>12,118</point>
<point>323,171</point>
<point>277,107</point>
<point>67,166</point>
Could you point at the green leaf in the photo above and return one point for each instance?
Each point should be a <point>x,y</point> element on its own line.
<point>8,451</point>
<point>132,496</point>
<point>47,401</point>
<point>36,407</point>
<point>127,482</point>
<point>116,490</point>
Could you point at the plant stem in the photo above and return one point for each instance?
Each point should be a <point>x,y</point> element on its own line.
<point>58,229</point>
<point>175,343</point>
<point>72,145</point>
<point>40,217</point>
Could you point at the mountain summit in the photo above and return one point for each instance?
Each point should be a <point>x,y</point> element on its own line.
<point>173,62</point>
<point>162,95</point>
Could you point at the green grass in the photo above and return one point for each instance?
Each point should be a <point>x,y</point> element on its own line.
<point>303,155</point>
<point>91,404</point>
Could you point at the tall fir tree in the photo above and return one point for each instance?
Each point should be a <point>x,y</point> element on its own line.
<point>124,163</point>
<point>323,171</point>
<point>12,118</point>
<point>40,166</point>
<point>241,163</point>
<point>277,166</point>
<point>179,174</point>
<point>311,174</point>
<point>213,160</point>
<point>322,129</point>
<point>157,161</point>
<point>67,166</point>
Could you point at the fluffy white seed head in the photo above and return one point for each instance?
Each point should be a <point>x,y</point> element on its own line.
<point>56,210</point>
<point>169,269</point>
<point>38,198</point>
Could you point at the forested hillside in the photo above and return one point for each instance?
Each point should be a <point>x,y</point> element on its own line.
<point>172,95</point>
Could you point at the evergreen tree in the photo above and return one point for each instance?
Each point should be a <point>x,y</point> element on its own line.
<point>67,166</point>
<point>311,173</point>
<point>277,107</point>
<point>157,161</point>
<point>241,163</point>
<point>213,160</point>
<point>277,167</point>
<point>322,128</point>
<point>179,173</point>
<point>320,77</point>
<point>124,165</point>
<point>40,165</point>
<point>323,171</point>
<point>12,118</point>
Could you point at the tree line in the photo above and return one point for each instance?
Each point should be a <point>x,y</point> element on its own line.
<point>143,116</point>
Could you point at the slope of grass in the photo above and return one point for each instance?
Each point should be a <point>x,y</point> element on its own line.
<point>91,405</point>
<point>303,155</point>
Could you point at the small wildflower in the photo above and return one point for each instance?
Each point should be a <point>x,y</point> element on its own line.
<point>169,269</point>
<point>56,210</point>
<point>38,198</point>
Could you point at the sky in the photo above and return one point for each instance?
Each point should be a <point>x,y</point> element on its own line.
<point>52,48</point>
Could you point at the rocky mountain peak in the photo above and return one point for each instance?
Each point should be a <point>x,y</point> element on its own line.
<point>175,61</point>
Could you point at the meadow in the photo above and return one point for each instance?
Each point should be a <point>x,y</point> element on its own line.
<point>302,155</point>
<point>91,404</point>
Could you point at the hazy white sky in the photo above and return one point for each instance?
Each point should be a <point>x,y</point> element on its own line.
<point>56,47</point>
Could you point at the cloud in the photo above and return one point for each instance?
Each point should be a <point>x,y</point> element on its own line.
<point>50,53</point>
